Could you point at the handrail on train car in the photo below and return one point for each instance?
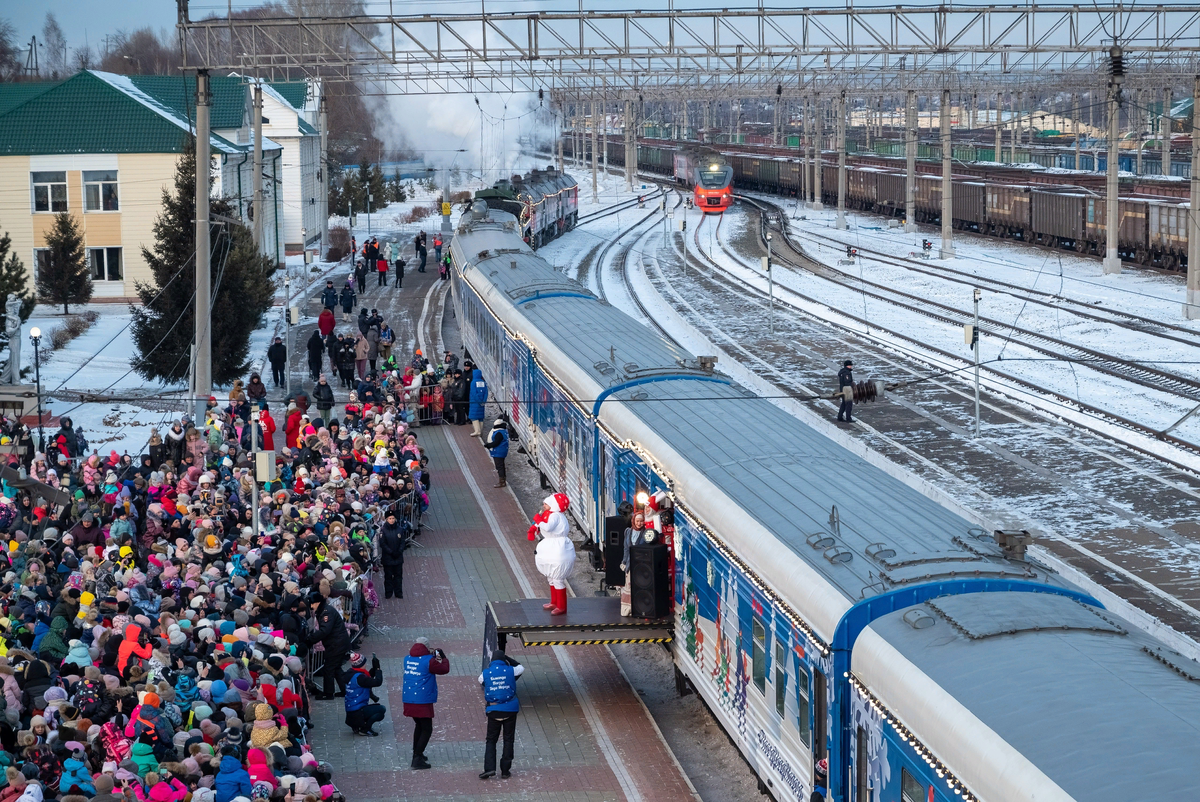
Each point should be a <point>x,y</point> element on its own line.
<point>862,614</point>
<point>598,532</point>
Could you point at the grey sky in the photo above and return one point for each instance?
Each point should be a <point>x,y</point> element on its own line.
<point>88,19</point>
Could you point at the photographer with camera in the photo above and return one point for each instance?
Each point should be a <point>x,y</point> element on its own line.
<point>421,668</point>
<point>499,681</point>
<point>363,710</point>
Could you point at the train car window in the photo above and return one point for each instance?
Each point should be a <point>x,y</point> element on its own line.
<point>780,675</point>
<point>911,790</point>
<point>802,725</point>
<point>716,179</point>
<point>760,657</point>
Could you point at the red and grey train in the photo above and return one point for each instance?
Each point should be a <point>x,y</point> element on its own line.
<point>709,176</point>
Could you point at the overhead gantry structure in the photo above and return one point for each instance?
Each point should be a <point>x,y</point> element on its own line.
<point>680,53</point>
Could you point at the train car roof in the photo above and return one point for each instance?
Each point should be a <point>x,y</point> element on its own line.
<point>863,529</point>
<point>1105,712</point>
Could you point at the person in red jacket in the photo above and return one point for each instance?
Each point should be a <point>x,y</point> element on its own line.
<point>132,646</point>
<point>292,427</point>
<point>267,427</point>
<point>326,321</point>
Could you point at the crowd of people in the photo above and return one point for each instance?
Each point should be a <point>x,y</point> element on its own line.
<point>158,629</point>
<point>167,620</point>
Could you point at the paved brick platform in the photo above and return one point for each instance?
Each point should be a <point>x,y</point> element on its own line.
<point>583,734</point>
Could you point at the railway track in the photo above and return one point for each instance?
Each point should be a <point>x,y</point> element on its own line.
<point>717,272</point>
<point>1030,466</point>
<point>617,207</point>
<point>777,221</point>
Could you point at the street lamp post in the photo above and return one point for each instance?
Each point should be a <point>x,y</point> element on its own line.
<point>35,335</point>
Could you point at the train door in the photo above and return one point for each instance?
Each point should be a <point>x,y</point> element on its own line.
<point>820,717</point>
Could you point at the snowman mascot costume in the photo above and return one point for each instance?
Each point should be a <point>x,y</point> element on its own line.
<point>555,553</point>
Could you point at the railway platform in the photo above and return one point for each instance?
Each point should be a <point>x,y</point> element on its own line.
<point>583,734</point>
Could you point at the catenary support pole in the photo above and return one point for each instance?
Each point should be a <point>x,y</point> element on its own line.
<point>562,165</point>
<point>841,145</point>
<point>818,161</point>
<point>595,155</point>
<point>947,251</point>
<point>630,160</point>
<point>806,153</point>
<point>256,179</point>
<point>997,156</point>
<point>1112,259</point>
<point>1164,132</point>
<point>910,158</point>
<point>978,294</point>
<point>202,385</point>
<point>1074,129</point>
<point>604,134</point>
<point>323,205</point>
<point>1135,121</point>
<point>1191,309</point>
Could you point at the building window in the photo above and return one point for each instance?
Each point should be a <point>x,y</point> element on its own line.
<point>49,191</point>
<point>41,261</point>
<point>802,724</point>
<point>760,657</point>
<point>100,190</point>
<point>780,676</point>
<point>911,789</point>
<point>106,264</point>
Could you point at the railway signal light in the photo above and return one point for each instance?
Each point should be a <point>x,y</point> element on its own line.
<point>926,245</point>
<point>851,252</point>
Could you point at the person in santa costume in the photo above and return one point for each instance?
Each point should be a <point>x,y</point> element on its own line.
<point>555,554</point>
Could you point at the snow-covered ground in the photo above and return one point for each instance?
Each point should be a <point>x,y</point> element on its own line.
<point>1150,407</point>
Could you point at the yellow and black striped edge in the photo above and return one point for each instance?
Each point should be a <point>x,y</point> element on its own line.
<point>596,641</point>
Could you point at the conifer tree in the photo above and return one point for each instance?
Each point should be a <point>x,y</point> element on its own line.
<point>14,279</point>
<point>64,278</point>
<point>243,290</point>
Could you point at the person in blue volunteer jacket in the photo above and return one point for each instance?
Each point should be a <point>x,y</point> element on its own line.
<point>421,668</point>
<point>499,681</point>
<point>497,446</point>
<point>363,710</point>
<point>479,396</point>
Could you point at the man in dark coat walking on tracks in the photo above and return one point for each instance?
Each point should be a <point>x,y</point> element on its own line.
<point>391,547</point>
<point>846,380</point>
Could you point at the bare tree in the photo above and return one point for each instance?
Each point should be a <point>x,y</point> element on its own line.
<point>55,42</point>
<point>84,58</point>
<point>142,52</point>
<point>10,52</point>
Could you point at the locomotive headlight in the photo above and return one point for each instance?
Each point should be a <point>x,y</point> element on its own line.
<point>642,498</point>
<point>714,167</point>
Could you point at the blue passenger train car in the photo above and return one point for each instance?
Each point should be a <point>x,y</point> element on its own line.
<point>823,607</point>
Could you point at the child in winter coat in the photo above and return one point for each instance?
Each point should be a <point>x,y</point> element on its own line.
<point>75,773</point>
<point>160,789</point>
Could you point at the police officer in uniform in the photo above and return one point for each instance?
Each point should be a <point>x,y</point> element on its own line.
<point>499,681</point>
<point>846,379</point>
<point>363,710</point>
<point>420,694</point>
<point>331,631</point>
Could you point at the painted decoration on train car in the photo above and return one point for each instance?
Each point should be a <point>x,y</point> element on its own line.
<point>866,717</point>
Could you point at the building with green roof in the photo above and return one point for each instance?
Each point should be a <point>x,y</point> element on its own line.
<point>103,147</point>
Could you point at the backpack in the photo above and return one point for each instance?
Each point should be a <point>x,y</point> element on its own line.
<point>88,700</point>
<point>116,746</point>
